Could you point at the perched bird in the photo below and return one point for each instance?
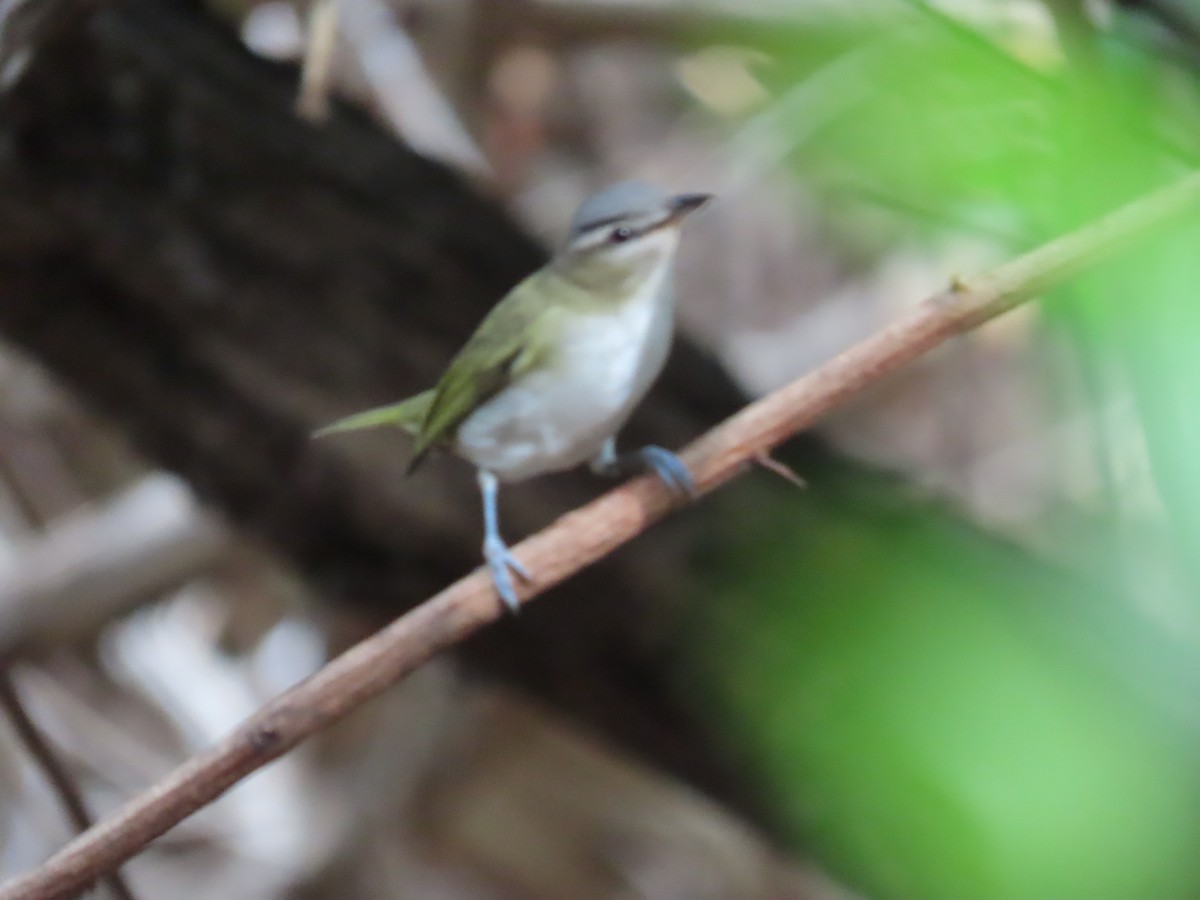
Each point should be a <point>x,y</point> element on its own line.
<point>555,369</point>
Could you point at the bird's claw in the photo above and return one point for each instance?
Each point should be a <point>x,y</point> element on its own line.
<point>670,470</point>
<point>500,561</point>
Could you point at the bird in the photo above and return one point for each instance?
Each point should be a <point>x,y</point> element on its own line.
<point>558,365</point>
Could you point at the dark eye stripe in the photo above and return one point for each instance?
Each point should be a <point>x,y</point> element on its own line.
<point>599,223</point>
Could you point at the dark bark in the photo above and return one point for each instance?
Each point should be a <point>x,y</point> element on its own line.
<point>218,278</point>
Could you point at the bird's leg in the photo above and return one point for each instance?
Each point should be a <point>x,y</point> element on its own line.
<point>662,462</point>
<point>499,558</point>
<point>606,462</point>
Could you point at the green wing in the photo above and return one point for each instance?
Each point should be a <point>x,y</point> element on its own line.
<point>510,340</point>
<point>407,414</point>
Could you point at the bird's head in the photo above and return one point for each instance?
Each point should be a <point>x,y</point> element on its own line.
<point>623,235</point>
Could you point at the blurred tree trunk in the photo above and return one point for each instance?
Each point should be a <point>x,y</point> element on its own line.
<point>218,278</point>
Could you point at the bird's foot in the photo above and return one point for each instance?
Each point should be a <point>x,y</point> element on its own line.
<point>501,562</point>
<point>670,470</point>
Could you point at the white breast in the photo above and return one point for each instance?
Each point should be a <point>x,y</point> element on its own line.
<point>558,418</point>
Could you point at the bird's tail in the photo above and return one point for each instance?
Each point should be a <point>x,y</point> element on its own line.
<point>407,414</point>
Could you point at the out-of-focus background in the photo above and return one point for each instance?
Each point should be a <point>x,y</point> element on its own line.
<point>961,663</point>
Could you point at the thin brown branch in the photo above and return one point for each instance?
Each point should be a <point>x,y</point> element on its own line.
<point>783,470</point>
<point>579,539</point>
<point>55,772</point>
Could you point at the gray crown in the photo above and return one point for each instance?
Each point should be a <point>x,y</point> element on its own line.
<point>626,200</point>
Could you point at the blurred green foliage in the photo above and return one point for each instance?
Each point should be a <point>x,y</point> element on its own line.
<point>935,715</point>
<point>932,713</point>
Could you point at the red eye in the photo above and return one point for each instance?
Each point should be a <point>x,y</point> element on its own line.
<point>620,234</point>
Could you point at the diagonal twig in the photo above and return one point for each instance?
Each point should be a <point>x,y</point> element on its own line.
<point>55,772</point>
<point>769,463</point>
<point>579,539</point>
<point>317,72</point>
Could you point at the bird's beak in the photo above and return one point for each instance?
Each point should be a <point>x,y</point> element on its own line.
<point>676,208</point>
<point>682,204</point>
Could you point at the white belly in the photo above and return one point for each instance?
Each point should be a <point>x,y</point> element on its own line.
<point>560,417</point>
